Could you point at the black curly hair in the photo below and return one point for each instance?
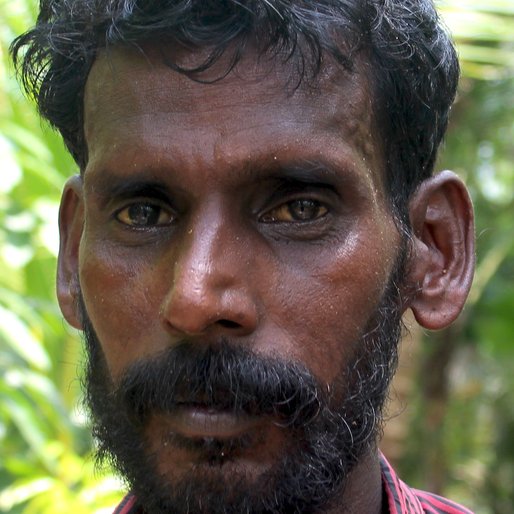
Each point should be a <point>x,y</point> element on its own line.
<point>413,64</point>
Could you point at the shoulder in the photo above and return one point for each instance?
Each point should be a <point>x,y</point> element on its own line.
<point>404,500</point>
<point>128,506</point>
<point>433,503</point>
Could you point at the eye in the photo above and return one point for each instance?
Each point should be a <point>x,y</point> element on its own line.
<point>296,211</point>
<point>144,215</point>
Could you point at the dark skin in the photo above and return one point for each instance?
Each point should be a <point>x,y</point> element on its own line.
<point>246,210</point>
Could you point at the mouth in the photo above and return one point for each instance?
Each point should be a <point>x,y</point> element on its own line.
<point>205,434</point>
<point>198,434</point>
<point>200,421</point>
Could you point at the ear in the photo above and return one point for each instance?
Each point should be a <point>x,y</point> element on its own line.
<point>71,222</point>
<point>443,250</point>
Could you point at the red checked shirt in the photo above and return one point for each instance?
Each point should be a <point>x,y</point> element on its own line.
<point>401,498</point>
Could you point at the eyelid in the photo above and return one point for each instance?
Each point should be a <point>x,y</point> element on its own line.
<point>115,193</point>
<point>286,193</point>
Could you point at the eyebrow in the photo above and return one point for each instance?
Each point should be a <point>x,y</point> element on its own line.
<point>302,170</point>
<point>310,171</point>
<point>112,185</point>
<point>144,183</point>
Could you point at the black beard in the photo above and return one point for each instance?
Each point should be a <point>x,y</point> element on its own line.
<point>329,431</point>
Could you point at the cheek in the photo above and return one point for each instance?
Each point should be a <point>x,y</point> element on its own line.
<point>122,304</point>
<point>328,303</point>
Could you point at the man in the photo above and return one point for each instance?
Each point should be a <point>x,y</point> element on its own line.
<point>255,211</point>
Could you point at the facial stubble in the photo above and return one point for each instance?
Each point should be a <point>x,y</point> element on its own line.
<point>330,428</point>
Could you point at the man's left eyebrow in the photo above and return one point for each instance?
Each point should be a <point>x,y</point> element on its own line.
<point>307,171</point>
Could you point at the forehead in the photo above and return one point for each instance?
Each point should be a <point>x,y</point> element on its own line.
<point>135,102</point>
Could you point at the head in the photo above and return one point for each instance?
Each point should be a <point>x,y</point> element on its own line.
<point>255,211</point>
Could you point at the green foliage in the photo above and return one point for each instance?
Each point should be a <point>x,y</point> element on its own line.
<point>483,31</point>
<point>466,421</point>
<point>45,459</point>
<point>45,456</point>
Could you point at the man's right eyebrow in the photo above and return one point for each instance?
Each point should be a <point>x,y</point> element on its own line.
<point>112,186</point>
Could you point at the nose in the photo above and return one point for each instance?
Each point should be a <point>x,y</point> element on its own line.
<point>210,289</point>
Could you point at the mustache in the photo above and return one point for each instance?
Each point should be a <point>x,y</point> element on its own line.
<point>220,376</point>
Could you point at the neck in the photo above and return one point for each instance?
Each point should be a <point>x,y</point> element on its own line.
<point>363,491</point>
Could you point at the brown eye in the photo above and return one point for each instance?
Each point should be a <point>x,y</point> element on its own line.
<point>144,215</point>
<point>296,211</point>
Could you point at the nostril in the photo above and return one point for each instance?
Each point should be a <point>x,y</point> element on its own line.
<point>228,324</point>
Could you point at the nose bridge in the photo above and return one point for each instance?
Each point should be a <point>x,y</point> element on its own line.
<point>202,261</point>
<point>208,285</point>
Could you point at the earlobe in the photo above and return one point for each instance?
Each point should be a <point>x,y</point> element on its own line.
<point>71,221</point>
<point>443,250</point>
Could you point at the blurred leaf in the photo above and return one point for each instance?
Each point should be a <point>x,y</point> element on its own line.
<point>19,337</point>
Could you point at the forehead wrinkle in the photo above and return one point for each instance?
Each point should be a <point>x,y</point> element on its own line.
<point>344,101</point>
<point>111,66</point>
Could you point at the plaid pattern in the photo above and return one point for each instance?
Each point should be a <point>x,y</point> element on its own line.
<point>404,500</point>
<point>401,498</point>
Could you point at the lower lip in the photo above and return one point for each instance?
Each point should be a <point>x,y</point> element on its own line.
<point>201,422</point>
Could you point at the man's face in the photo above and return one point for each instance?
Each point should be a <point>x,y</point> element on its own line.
<point>242,214</point>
